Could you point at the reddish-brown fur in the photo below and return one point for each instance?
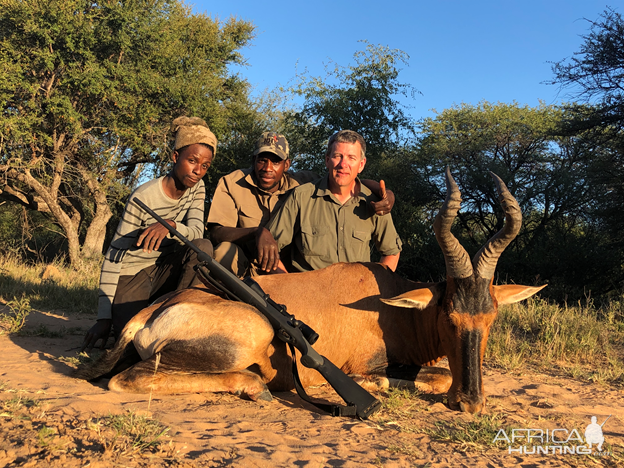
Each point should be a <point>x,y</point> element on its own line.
<point>367,317</point>
<point>342,303</point>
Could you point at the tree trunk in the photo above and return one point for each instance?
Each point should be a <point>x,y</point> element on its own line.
<point>69,225</point>
<point>49,194</point>
<point>73,243</point>
<point>96,232</point>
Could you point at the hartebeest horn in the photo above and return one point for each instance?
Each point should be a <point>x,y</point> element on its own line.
<point>485,259</point>
<point>457,259</point>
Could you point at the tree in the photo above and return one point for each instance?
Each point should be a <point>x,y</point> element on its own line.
<point>546,171</point>
<point>248,120</point>
<point>366,97</point>
<point>597,70</point>
<point>363,97</point>
<point>595,76</point>
<point>88,93</point>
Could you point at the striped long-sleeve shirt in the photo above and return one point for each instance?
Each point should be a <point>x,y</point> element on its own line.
<point>125,258</point>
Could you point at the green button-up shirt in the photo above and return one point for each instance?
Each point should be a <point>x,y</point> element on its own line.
<point>324,231</point>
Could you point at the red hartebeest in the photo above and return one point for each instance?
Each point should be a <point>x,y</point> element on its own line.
<point>194,341</point>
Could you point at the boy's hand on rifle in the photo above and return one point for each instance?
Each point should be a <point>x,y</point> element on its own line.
<point>268,253</point>
<point>101,330</point>
<point>153,235</point>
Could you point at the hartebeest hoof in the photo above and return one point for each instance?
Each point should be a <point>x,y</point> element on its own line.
<point>262,396</point>
<point>467,406</point>
<point>470,407</point>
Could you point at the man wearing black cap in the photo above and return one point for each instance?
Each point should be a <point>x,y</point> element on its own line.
<point>245,199</point>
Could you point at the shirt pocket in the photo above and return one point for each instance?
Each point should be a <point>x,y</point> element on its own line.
<point>249,218</point>
<point>315,241</point>
<point>361,245</point>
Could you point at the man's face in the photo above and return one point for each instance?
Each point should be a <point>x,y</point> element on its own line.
<point>269,169</point>
<point>344,163</point>
<point>191,163</point>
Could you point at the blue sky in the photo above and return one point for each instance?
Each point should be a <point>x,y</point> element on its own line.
<point>460,51</point>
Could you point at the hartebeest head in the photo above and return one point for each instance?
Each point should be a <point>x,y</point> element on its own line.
<point>468,302</point>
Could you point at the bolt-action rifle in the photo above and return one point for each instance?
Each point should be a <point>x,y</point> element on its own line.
<point>290,330</point>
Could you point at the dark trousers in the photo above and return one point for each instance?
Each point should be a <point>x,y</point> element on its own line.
<point>174,272</point>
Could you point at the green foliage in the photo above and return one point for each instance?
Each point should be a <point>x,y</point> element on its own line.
<point>44,331</point>
<point>595,74</point>
<point>248,121</point>
<point>518,143</point>
<point>597,69</point>
<point>361,97</point>
<point>80,358</point>
<point>88,92</point>
<point>17,403</point>
<point>365,97</point>
<point>45,435</point>
<point>142,432</point>
<point>545,171</point>
<point>14,321</point>
<point>477,433</point>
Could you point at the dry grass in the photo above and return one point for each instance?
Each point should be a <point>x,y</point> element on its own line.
<point>402,411</point>
<point>584,341</point>
<point>69,290</point>
<point>115,439</point>
<point>469,432</point>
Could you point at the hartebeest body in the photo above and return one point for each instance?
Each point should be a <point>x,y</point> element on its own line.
<point>194,341</point>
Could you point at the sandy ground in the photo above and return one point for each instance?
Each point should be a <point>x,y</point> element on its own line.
<point>223,430</point>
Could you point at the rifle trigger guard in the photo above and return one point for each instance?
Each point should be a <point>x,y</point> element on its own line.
<point>285,336</point>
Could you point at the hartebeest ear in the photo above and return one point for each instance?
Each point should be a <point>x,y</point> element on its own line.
<point>510,293</point>
<point>415,299</point>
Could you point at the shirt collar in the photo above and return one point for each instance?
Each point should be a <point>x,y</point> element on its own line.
<point>323,188</point>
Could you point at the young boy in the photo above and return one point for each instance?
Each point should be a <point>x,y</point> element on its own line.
<point>143,261</point>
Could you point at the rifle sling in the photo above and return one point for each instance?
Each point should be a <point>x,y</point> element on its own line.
<point>334,410</point>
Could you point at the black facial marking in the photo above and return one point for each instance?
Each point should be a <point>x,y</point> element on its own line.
<point>472,296</point>
<point>215,353</point>
<point>471,363</point>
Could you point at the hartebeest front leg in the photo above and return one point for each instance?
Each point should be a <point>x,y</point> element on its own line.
<point>428,380</point>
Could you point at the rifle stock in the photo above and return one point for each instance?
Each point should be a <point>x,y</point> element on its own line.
<point>287,328</point>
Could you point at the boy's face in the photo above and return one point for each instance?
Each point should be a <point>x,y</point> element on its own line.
<point>191,163</point>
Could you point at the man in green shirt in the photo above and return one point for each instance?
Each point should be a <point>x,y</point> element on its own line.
<point>244,201</point>
<point>330,220</point>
